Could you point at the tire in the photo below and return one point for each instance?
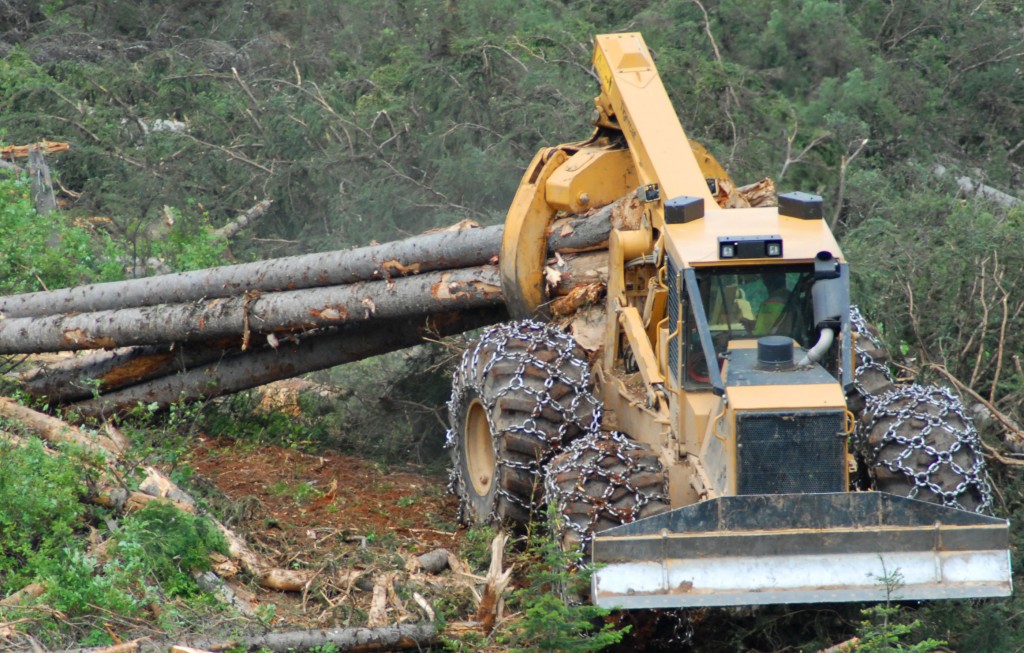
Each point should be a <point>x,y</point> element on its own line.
<point>918,442</point>
<point>602,480</point>
<point>521,392</point>
<point>871,375</point>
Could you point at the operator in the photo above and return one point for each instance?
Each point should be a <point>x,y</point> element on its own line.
<point>770,318</point>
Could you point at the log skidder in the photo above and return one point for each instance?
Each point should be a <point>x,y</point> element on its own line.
<point>754,301</point>
<point>917,441</point>
<point>521,392</point>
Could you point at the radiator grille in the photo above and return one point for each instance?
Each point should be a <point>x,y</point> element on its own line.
<point>673,320</point>
<point>790,452</point>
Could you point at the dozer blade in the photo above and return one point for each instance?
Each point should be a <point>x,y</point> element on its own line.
<point>801,548</point>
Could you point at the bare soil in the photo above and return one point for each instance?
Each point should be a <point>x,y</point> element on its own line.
<point>332,513</point>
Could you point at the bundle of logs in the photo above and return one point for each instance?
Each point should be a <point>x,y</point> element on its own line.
<point>202,334</point>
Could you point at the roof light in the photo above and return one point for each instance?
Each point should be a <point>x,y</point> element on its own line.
<point>750,247</point>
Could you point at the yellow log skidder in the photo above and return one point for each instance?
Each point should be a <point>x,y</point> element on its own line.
<point>708,433</point>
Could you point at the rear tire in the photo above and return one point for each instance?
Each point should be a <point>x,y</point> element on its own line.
<point>919,443</point>
<point>521,392</point>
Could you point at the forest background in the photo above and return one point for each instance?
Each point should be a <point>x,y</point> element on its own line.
<point>374,121</point>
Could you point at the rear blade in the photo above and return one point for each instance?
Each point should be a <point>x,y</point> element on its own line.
<point>801,548</point>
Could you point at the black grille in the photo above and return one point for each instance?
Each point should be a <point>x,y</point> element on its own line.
<point>790,452</point>
<point>673,320</point>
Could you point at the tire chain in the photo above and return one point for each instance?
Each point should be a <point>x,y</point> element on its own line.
<point>586,459</point>
<point>866,363</point>
<point>908,407</point>
<point>583,412</point>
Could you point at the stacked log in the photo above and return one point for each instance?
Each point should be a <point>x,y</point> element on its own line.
<point>212,332</point>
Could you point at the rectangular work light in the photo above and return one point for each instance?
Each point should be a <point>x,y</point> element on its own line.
<point>749,247</point>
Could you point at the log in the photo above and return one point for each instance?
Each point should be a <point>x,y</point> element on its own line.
<point>79,378</point>
<point>434,292</point>
<point>425,253</point>
<point>75,379</point>
<point>252,369</point>
<point>56,430</point>
<point>359,640</point>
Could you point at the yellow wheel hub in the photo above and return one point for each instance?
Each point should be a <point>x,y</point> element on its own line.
<point>480,457</point>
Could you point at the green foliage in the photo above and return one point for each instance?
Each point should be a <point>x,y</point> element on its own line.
<point>165,545</point>
<point>550,622</point>
<point>39,252</point>
<point>241,418</point>
<point>40,511</point>
<point>882,632</point>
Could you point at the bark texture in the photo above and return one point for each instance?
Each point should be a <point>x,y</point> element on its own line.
<point>435,292</point>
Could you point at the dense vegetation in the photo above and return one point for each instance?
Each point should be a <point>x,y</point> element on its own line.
<point>369,121</point>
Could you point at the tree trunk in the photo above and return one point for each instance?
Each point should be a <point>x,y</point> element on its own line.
<point>358,640</point>
<point>41,183</point>
<point>251,369</point>
<point>55,430</point>
<point>435,292</point>
<point>425,253</point>
<point>75,379</point>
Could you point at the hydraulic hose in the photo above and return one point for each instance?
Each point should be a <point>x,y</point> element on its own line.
<point>817,352</point>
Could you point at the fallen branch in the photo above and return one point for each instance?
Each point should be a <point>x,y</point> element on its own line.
<point>359,640</point>
<point>849,646</point>
<point>1013,435</point>
<point>229,230</point>
<point>492,602</point>
<point>55,430</point>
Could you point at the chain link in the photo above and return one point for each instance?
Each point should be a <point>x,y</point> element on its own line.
<point>926,426</point>
<point>934,439</point>
<point>528,351</point>
<point>866,363</point>
<point>603,468</point>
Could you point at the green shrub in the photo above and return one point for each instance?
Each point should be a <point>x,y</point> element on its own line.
<point>164,545</point>
<point>38,252</point>
<point>40,511</point>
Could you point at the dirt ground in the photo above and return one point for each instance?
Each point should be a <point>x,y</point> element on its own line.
<point>331,513</point>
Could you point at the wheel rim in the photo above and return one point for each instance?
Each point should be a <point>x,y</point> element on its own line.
<point>480,457</point>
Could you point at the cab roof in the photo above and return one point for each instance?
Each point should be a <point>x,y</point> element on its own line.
<point>696,243</point>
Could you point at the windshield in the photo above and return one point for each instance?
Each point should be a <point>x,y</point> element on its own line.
<point>751,302</point>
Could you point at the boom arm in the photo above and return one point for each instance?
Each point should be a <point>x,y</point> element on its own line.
<point>634,100</point>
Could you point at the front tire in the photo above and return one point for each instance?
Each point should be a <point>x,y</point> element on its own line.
<point>521,392</point>
<point>602,480</point>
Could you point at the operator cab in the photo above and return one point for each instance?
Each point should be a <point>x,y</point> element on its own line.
<point>748,303</point>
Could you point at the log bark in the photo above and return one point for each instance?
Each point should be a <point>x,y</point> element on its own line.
<point>75,379</point>
<point>356,640</point>
<point>58,431</point>
<point>255,368</point>
<point>425,253</point>
<point>435,292</point>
